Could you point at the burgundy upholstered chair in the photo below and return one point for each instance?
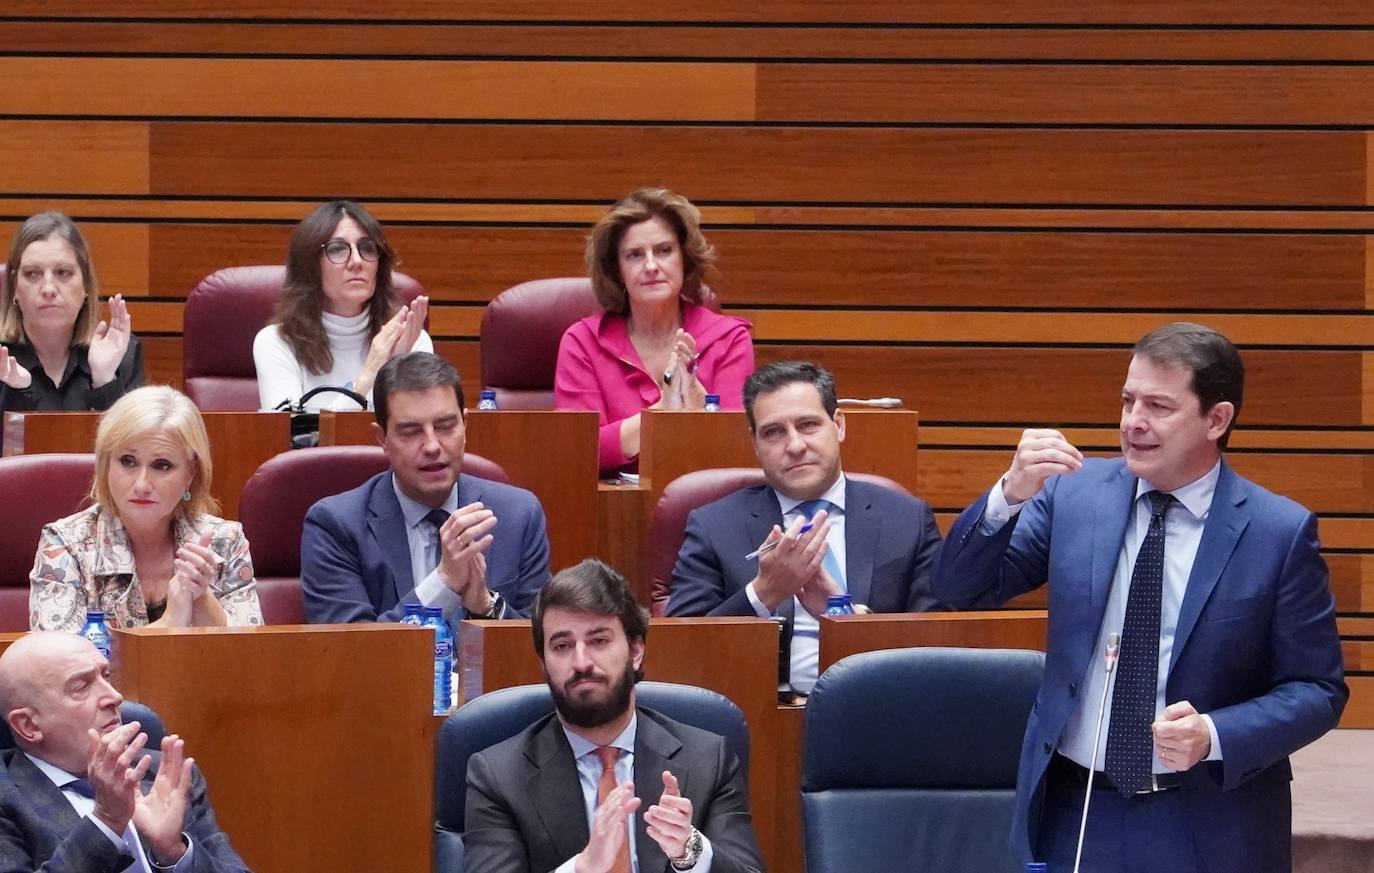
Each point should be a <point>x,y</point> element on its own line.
<point>276,498</point>
<point>223,314</point>
<point>521,329</point>
<point>36,489</point>
<point>668,525</point>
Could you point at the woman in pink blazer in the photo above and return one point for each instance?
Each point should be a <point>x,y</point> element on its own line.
<point>654,346</point>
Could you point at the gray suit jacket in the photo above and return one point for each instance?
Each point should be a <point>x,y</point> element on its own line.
<point>40,831</point>
<point>525,812</point>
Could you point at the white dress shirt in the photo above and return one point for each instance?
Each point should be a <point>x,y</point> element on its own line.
<point>806,628</point>
<point>85,807</point>
<point>589,777</point>
<point>1183,525</point>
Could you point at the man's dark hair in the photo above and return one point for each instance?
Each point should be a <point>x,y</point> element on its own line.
<point>415,371</point>
<point>1218,373</point>
<point>595,587</point>
<point>771,377</point>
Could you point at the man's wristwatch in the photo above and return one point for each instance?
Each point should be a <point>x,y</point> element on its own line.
<point>690,854</point>
<point>493,611</point>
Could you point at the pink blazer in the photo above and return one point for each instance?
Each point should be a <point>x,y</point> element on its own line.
<point>599,369</point>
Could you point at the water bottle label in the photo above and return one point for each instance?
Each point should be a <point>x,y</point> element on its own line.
<point>443,649</point>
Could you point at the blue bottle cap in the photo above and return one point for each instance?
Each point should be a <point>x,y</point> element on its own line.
<point>95,615</point>
<point>487,394</point>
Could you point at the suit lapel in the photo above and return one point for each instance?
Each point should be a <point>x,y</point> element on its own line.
<point>555,790</point>
<point>1115,503</point>
<point>654,748</point>
<point>861,530</point>
<point>387,525</point>
<point>1225,523</point>
<point>763,514</point>
<point>47,799</point>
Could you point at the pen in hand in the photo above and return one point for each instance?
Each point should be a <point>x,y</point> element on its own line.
<point>768,547</point>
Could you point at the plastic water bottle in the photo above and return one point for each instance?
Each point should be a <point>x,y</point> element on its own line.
<point>96,631</point>
<point>713,403</point>
<point>487,399</point>
<point>443,658</point>
<point>1037,867</point>
<point>839,604</point>
<point>415,614</point>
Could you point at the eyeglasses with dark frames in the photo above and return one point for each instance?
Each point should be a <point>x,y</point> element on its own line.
<point>338,250</point>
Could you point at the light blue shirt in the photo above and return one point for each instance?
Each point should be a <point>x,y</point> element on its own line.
<point>1183,525</point>
<point>806,628</point>
<point>589,777</point>
<point>423,540</point>
<point>85,807</point>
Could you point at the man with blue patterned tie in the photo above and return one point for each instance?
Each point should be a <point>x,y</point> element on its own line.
<point>82,796</point>
<point>876,544</point>
<point>1229,659</point>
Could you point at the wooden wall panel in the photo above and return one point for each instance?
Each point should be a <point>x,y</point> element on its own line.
<point>662,40</point>
<point>375,89</point>
<point>1050,94</point>
<point>950,479</point>
<point>68,157</point>
<point>801,267</point>
<point>1074,386</point>
<point>754,164</point>
<point>1217,12</point>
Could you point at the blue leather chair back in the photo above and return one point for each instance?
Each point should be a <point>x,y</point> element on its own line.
<point>500,715</point>
<point>149,721</point>
<point>910,760</point>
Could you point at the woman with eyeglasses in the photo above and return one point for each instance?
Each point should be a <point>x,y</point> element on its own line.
<point>338,320</point>
<point>57,353</point>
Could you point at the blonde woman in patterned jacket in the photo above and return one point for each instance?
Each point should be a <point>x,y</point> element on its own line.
<point>148,551</point>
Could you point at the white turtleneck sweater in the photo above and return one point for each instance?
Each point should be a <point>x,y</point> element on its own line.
<point>281,376</point>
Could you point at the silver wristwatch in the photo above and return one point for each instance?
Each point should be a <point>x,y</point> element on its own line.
<point>691,853</point>
<point>493,611</point>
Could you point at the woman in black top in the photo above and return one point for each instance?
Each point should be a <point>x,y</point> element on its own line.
<point>56,353</point>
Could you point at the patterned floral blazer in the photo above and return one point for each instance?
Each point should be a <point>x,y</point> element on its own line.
<point>85,562</point>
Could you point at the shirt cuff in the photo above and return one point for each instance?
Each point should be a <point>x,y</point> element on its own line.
<point>759,609</point>
<point>703,864</point>
<point>433,592</point>
<point>1215,753</point>
<point>568,866</point>
<point>996,511</point>
<point>115,838</point>
<point>184,865</point>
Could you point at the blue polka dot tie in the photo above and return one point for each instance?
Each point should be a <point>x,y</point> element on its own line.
<point>1130,745</point>
<point>808,510</point>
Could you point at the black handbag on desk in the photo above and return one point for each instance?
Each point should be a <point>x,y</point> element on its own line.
<point>305,424</point>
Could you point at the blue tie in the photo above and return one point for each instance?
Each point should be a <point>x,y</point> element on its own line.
<point>436,517</point>
<point>1130,743</point>
<point>808,510</point>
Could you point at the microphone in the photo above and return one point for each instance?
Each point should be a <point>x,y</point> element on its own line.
<point>1108,664</point>
<point>876,402</point>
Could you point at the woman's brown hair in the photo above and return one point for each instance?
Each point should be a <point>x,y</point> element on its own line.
<point>603,245</point>
<point>302,294</point>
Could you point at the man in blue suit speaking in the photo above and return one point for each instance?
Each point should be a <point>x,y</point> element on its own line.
<point>422,532</point>
<point>1228,660</point>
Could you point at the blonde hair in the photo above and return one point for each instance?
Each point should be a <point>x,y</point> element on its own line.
<point>40,227</point>
<point>603,245</point>
<point>156,409</point>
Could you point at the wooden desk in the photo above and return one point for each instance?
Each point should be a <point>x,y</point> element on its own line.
<point>994,629</point>
<point>239,441</point>
<point>736,657</point>
<point>317,742</point>
<point>553,454</point>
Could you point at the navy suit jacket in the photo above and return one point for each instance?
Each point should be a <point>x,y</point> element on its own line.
<point>39,829</point>
<point>355,557</point>
<point>1255,648</point>
<point>890,539</point>
<point>525,811</point>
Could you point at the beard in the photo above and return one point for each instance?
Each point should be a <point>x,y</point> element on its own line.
<point>593,712</point>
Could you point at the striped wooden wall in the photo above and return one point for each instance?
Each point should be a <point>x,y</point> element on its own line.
<point>976,205</point>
